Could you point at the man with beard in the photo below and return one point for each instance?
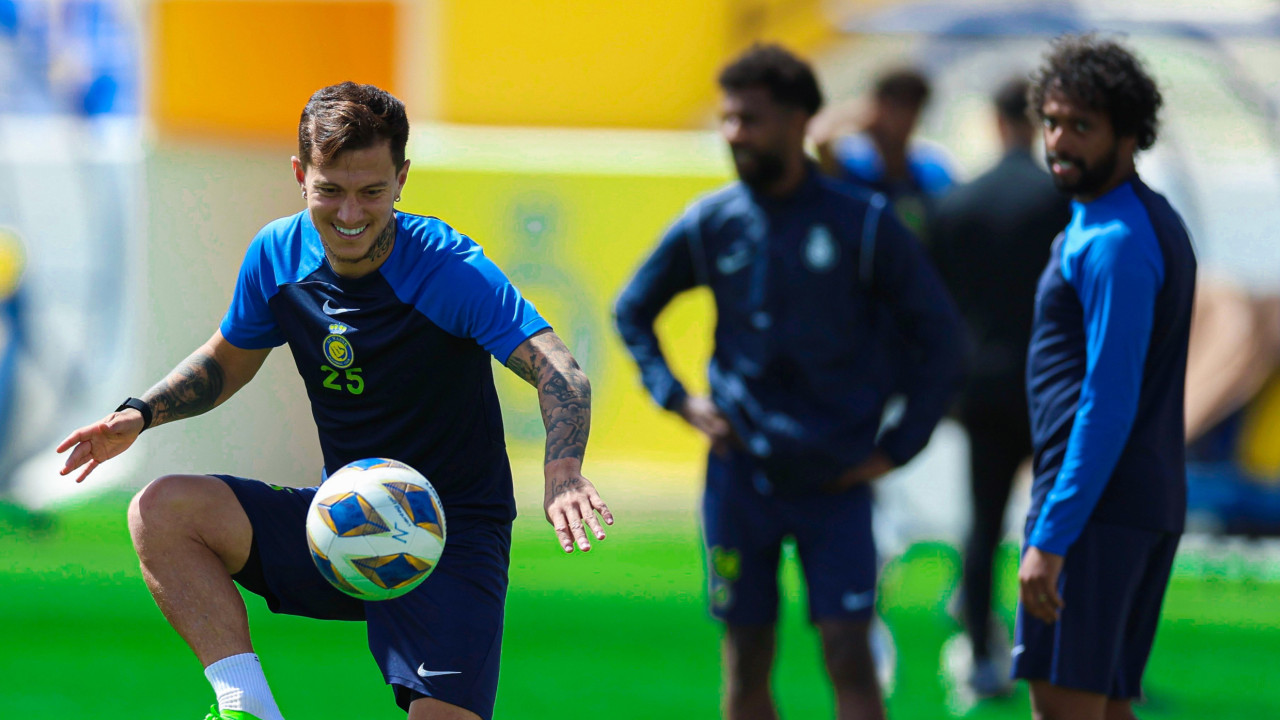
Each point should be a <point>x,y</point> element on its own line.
<point>990,240</point>
<point>1105,375</point>
<point>808,276</point>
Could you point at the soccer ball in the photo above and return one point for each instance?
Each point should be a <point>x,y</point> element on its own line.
<point>376,529</point>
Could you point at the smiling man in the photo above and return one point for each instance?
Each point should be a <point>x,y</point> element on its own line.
<point>809,277</point>
<point>391,319</point>
<point>1105,376</point>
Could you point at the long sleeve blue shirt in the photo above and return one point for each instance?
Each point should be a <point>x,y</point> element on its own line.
<point>1106,369</point>
<point>826,306</point>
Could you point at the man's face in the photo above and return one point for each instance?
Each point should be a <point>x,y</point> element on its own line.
<point>762,134</point>
<point>1081,148</point>
<point>351,202</point>
<point>895,120</point>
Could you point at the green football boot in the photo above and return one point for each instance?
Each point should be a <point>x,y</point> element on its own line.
<point>215,714</point>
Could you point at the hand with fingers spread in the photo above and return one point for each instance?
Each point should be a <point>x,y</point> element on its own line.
<point>703,414</point>
<point>95,444</point>
<point>571,504</point>
<point>1038,584</point>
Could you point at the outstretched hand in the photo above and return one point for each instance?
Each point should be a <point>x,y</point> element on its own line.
<point>571,502</point>
<point>95,444</point>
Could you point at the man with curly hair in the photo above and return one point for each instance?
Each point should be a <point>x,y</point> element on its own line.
<point>1105,375</point>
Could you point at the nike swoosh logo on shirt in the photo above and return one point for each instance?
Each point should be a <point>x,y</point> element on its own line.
<point>424,672</point>
<point>331,309</point>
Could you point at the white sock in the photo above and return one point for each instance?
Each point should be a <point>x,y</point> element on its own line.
<point>240,685</point>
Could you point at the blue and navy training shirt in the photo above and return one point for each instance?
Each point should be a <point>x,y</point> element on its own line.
<point>1106,370</point>
<point>808,290</point>
<point>931,173</point>
<point>396,363</point>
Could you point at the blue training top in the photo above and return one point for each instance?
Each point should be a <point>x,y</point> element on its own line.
<point>1106,370</point>
<point>932,172</point>
<point>396,363</point>
<point>810,292</point>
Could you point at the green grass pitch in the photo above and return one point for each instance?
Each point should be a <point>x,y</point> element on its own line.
<point>619,633</point>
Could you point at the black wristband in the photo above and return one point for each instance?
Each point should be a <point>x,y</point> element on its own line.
<point>141,406</point>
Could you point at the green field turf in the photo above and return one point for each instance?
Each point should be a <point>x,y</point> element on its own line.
<point>619,633</point>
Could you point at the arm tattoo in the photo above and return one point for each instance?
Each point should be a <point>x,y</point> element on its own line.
<point>566,412</point>
<point>564,392</point>
<point>190,389</point>
<point>523,370</point>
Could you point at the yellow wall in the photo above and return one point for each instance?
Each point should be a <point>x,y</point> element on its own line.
<point>246,68</point>
<point>603,63</point>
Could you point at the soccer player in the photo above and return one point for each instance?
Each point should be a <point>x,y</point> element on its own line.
<point>391,319</point>
<point>877,150</point>
<point>1105,375</point>
<point>990,239</point>
<point>808,277</point>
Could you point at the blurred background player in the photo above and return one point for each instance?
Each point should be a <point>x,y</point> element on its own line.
<point>1105,382</point>
<point>872,146</point>
<point>381,349</point>
<point>989,240</point>
<point>800,267</point>
<point>13,341</point>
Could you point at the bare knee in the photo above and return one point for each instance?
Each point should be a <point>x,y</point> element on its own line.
<point>168,502</point>
<point>198,508</point>
<point>846,649</point>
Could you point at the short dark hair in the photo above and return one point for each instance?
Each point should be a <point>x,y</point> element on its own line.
<point>789,80</point>
<point>905,86</point>
<point>1011,100</point>
<point>1104,76</point>
<point>350,116</point>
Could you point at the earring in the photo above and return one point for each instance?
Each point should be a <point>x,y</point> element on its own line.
<point>304,194</point>
<point>397,198</point>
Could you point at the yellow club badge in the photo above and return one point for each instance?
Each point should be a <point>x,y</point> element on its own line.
<point>337,349</point>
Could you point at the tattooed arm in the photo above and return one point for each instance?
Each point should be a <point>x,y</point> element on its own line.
<point>200,383</point>
<point>564,393</point>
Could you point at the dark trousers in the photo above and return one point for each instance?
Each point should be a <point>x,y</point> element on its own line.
<point>999,440</point>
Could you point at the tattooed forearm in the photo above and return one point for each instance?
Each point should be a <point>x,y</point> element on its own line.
<point>564,393</point>
<point>190,389</point>
<point>566,412</point>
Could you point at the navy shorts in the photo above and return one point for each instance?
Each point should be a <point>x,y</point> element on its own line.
<point>744,524</point>
<point>1112,586</point>
<point>441,640</point>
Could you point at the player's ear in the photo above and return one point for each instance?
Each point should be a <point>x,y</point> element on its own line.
<point>299,172</point>
<point>403,175</point>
